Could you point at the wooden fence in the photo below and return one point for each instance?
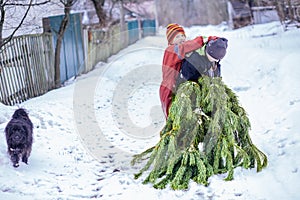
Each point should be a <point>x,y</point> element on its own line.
<point>27,62</point>
<point>102,44</point>
<point>26,68</point>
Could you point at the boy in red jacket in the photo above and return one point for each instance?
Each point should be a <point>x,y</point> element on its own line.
<point>173,57</point>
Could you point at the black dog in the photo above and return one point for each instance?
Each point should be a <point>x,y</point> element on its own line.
<point>18,134</point>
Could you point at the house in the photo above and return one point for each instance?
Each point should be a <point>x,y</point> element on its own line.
<point>239,13</point>
<point>142,10</point>
<point>264,14</point>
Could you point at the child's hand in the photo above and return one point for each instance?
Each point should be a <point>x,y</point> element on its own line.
<point>212,38</point>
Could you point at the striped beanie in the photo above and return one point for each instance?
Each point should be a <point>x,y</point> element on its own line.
<point>172,31</point>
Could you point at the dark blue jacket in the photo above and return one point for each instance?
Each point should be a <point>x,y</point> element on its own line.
<point>195,66</point>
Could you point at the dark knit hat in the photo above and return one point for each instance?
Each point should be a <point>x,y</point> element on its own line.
<point>172,31</point>
<point>217,48</point>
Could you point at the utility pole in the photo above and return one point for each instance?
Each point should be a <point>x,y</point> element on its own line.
<point>156,16</point>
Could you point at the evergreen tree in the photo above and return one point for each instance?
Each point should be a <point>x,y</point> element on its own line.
<point>206,114</point>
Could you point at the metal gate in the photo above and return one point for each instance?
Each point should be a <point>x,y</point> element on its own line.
<point>72,50</point>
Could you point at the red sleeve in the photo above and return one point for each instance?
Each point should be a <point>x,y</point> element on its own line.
<point>170,70</point>
<point>171,67</point>
<point>189,46</point>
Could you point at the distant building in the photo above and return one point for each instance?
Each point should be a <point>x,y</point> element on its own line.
<point>264,14</point>
<point>143,9</point>
<point>243,13</point>
<point>239,13</point>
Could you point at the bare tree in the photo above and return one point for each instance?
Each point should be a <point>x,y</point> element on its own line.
<point>63,26</point>
<point>3,4</point>
<point>6,4</point>
<point>113,3</point>
<point>2,16</point>
<point>98,4</point>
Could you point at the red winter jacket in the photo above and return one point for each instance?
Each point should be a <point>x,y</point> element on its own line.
<point>173,56</point>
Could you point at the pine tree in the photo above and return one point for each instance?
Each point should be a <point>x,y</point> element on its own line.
<point>205,114</point>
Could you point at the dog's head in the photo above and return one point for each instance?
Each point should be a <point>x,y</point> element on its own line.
<point>20,113</point>
<point>17,132</point>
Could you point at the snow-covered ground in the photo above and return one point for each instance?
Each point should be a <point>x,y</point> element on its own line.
<point>86,132</point>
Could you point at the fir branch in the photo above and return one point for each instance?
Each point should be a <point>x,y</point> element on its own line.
<point>207,112</point>
<point>139,157</point>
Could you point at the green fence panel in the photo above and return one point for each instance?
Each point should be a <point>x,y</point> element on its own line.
<point>133,31</point>
<point>72,50</point>
<point>148,27</point>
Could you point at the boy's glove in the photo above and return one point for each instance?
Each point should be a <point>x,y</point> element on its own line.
<point>212,38</point>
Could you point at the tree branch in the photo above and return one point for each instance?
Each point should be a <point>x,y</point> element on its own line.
<point>26,4</point>
<point>6,40</point>
<point>2,14</point>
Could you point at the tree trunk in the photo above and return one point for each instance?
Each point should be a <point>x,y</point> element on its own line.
<point>122,23</point>
<point>60,35</point>
<point>98,4</point>
<point>2,14</point>
<point>291,12</point>
<point>280,11</point>
<point>111,9</point>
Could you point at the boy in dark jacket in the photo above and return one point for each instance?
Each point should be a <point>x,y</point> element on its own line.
<point>204,61</point>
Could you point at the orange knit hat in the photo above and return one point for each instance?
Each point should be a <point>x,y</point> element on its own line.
<point>172,30</point>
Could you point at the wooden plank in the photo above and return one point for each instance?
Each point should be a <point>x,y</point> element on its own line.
<point>8,78</point>
<point>22,65</point>
<point>29,57</point>
<point>4,86</point>
<point>36,66</point>
<point>41,65</point>
<point>18,72</point>
<point>48,65</point>
<point>9,61</point>
<point>11,76</point>
<point>49,58</point>
<point>4,80</point>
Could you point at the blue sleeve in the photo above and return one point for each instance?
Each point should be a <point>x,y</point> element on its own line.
<point>176,50</point>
